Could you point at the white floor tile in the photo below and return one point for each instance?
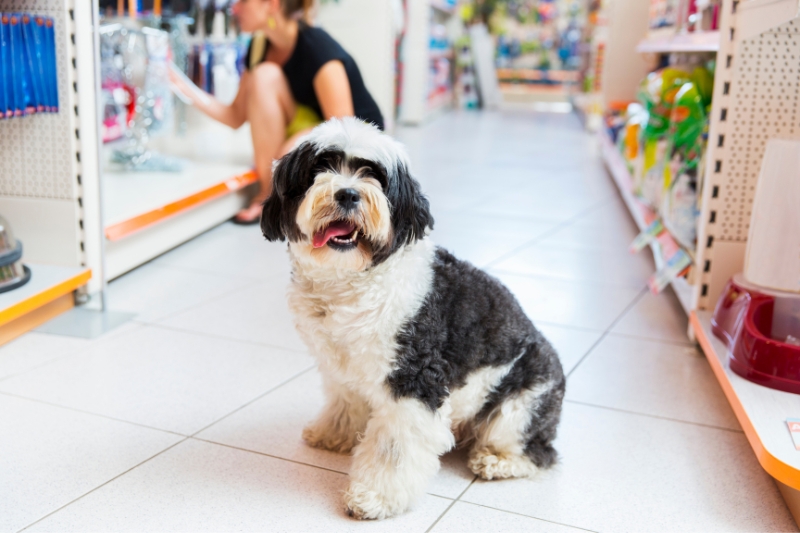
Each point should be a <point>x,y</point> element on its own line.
<point>258,313</point>
<point>470,518</point>
<point>482,239</point>
<point>569,303</point>
<point>161,378</point>
<point>582,236</point>
<point>35,349</point>
<point>154,292</point>
<point>50,456</point>
<point>570,343</point>
<point>620,472</point>
<point>656,316</point>
<point>273,425</point>
<point>652,378</point>
<point>603,267</point>
<point>198,486</point>
<point>232,250</point>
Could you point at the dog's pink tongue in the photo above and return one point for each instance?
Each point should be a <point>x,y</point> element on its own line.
<point>336,229</point>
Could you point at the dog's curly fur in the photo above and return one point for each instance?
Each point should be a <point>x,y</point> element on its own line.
<point>418,350</point>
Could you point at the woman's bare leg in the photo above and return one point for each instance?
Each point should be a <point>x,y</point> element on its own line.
<point>269,107</point>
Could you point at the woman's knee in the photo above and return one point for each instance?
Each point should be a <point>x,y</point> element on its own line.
<point>268,74</point>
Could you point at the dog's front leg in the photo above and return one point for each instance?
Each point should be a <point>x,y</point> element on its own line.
<point>342,420</point>
<point>397,457</point>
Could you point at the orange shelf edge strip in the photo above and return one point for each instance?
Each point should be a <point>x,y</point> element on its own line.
<point>133,225</point>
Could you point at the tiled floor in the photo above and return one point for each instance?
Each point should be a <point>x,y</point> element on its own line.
<point>189,418</point>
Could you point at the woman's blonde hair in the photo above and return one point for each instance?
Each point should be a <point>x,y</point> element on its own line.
<point>297,8</point>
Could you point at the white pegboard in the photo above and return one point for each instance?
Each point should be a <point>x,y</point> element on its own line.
<point>764,105</point>
<point>756,92</point>
<point>39,151</point>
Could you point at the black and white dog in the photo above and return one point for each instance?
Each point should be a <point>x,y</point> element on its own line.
<point>418,350</point>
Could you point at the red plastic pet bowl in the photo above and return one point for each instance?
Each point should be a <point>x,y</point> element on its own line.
<point>760,328</point>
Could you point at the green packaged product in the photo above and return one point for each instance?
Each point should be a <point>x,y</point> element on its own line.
<point>683,175</point>
<point>657,93</point>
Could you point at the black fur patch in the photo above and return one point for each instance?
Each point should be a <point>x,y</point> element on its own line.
<point>469,321</point>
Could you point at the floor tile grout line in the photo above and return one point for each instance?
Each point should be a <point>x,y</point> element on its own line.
<point>184,439</point>
<point>527,516</point>
<point>103,484</point>
<point>257,398</point>
<point>90,413</point>
<point>221,337</point>
<point>591,282</point>
<point>204,302</point>
<point>649,415</point>
<point>271,456</point>
<point>452,503</point>
<point>226,275</point>
<point>543,235</point>
<point>631,336</point>
<point>605,334</point>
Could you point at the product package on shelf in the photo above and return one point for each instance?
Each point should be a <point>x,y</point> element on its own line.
<point>687,141</point>
<point>28,80</point>
<point>657,94</point>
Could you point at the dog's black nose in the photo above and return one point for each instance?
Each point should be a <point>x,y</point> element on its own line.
<point>347,198</point>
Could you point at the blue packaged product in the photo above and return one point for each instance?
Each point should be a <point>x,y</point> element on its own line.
<point>50,66</point>
<point>5,77</point>
<point>24,71</point>
<point>17,73</point>
<point>37,30</point>
<point>33,63</point>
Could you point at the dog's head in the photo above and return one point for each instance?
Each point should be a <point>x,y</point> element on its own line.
<point>344,198</point>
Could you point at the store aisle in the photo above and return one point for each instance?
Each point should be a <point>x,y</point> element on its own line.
<point>189,418</point>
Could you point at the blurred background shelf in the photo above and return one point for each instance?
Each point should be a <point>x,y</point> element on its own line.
<point>688,42</point>
<point>150,212</point>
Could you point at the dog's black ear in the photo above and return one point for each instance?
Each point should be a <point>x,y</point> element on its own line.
<point>291,178</point>
<point>271,218</point>
<point>411,214</point>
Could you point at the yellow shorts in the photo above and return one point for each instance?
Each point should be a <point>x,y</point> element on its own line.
<point>304,118</point>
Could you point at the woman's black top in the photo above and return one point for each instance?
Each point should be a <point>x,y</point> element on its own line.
<point>314,49</point>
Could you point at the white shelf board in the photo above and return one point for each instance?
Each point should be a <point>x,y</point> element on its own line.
<point>212,153</point>
<point>688,42</point>
<point>619,172</point>
<point>129,194</point>
<point>43,277</point>
<point>761,411</point>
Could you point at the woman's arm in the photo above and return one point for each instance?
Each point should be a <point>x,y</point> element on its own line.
<point>333,90</point>
<point>232,115</point>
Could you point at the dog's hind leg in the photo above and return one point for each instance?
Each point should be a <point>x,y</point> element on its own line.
<point>514,437</point>
<point>397,457</point>
<point>343,418</point>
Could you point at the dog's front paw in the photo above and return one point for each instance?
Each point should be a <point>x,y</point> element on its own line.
<point>489,464</point>
<point>317,437</point>
<point>365,504</point>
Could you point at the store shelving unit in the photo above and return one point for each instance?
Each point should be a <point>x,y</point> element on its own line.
<point>47,192</point>
<point>662,247</point>
<point>688,42</point>
<point>419,102</point>
<point>755,99</point>
<point>150,212</point>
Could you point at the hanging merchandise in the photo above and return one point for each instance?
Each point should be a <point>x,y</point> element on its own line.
<point>137,95</point>
<point>28,80</point>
